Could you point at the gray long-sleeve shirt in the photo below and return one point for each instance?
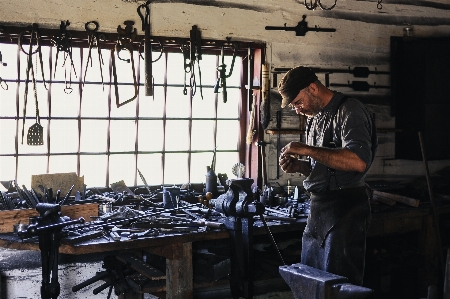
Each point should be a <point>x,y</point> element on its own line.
<point>352,129</point>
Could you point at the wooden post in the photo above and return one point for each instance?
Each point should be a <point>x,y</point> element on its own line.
<point>179,275</point>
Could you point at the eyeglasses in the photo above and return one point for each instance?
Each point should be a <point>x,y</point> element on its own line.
<point>298,101</point>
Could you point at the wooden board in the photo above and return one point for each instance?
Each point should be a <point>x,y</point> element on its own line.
<point>11,217</point>
<point>399,198</point>
<point>58,181</point>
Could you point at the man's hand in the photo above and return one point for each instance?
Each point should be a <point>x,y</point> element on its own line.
<point>290,164</point>
<point>336,158</point>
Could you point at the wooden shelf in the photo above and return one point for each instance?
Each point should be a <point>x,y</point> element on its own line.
<point>300,132</point>
<point>285,131</point>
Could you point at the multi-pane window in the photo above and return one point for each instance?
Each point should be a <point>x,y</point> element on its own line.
<point>170,136</point>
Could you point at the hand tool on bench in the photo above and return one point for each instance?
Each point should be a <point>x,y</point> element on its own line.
<point>30,196</point>
<point>151,232</point>
<point>291,214</point>
<point>6,201</point>
<point>203,221</point>
<point>144,181</point>
<point>21,195</point>
<point>63,201</point>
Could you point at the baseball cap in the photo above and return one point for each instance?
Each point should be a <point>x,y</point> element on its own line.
<point>293,81</point>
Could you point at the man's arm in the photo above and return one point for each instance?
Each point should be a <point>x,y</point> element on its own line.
<point>339,159</point>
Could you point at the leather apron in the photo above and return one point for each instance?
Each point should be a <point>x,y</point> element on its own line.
<point>334,239</point>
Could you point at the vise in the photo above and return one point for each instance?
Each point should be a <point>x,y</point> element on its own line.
<point>311,283</point>
<point>238,200</point>
<point>239,207</point>
<point>48,227</point>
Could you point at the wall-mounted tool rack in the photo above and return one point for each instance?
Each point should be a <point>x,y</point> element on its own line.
<point>9,35</point>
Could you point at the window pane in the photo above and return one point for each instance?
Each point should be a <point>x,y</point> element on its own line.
<point>122,167</point>
<point>7,169</point>
<point>227,134</point>
<point>199,162</point>
<point>158,68</point>
<point>93,168</point>
<point>7,133</point>
<point>177,135</point>
<point>206,107</point>
<point>151,135</point>
<point>64,136</point>
<point>93,135</point>
<point>94,101</point>
<point>65,104</point>
<point>177,104</point>
<point>176,169</point>
<point>175,69</point>
<point>30,107</point>
<point>124,66</point>
<point>126,93</point>
<point>8,99</point>
<point>9,54</point>
<point>63,164</point>
<point>28,166</point>
<point>230,109</point>
<point>97,65</point>
<point>151,106</point>
<point>123,135</point>
<point>150,166</point>
<point>225,162</point>
<point>202,135</point>
<point>63,68</point>
<point>235,78</point>
<point>153,128</point>
<point>208,68</point>
<point>24,148</point>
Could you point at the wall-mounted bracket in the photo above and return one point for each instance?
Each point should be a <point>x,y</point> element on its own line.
<point>302,28</point>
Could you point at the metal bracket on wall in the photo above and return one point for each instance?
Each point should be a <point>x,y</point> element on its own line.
<point>302,28</point>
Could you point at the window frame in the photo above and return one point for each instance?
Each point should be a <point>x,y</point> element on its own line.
<point>171,45</point>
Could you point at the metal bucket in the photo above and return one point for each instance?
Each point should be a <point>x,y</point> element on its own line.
<point>170,197</point>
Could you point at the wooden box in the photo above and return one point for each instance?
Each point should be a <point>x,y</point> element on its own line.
<point>10,217</point>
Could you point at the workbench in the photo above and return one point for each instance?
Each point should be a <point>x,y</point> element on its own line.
<point>177,248</point>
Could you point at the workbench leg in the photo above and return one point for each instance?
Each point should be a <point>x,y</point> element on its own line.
<point>179,275</point>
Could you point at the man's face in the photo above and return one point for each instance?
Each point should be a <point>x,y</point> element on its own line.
<point>306,103</point>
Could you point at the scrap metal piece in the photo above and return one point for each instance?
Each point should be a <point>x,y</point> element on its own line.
<point>145,182</point>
